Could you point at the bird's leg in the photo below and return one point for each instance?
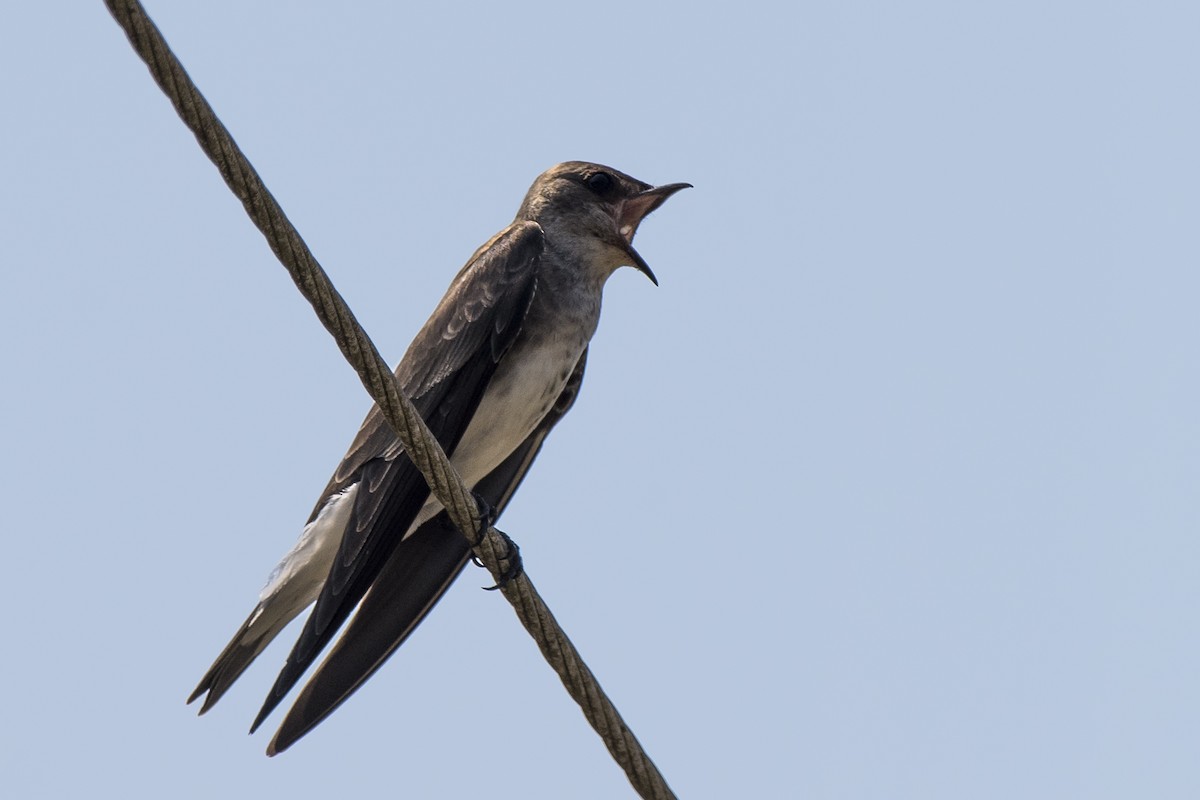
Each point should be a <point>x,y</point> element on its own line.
<point>512,553</point>
<point>487,514</point>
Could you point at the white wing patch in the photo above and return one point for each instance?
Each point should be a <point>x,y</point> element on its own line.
<point>306,566</point>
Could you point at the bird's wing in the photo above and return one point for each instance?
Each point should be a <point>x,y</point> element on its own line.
<point>445,372</point>
<point>413,580</point>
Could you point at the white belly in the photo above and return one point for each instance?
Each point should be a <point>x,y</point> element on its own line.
<point>520,395</point>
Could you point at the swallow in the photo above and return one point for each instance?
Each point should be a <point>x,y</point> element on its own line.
<point>493,370</point>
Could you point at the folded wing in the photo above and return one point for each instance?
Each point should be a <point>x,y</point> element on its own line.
<point>414,578</point>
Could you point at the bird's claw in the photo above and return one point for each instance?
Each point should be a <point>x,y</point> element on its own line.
<point>512,554</point>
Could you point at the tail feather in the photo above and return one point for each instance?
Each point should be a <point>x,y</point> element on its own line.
<point>264,623</point>
<point>414,579</point>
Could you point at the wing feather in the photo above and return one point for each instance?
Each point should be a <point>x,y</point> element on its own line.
<point>419,571</point>
<point>445,372</point>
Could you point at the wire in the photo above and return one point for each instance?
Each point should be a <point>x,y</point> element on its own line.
<point>377,377</point>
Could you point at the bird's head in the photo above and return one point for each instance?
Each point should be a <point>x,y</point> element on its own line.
<point>594,211</point>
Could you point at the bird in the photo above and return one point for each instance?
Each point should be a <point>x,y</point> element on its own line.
<point>493,370</point>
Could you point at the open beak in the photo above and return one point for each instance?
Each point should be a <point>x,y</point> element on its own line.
<point>636,209</point>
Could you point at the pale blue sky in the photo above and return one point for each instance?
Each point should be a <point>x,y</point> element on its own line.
<point>888,491</point>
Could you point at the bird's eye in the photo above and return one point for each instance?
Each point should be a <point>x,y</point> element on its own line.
<point>599,182</point>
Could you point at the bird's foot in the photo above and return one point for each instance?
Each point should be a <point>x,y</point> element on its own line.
<point>512,553</point>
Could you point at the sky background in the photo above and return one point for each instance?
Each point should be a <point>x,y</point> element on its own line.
<point>888,491</point>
